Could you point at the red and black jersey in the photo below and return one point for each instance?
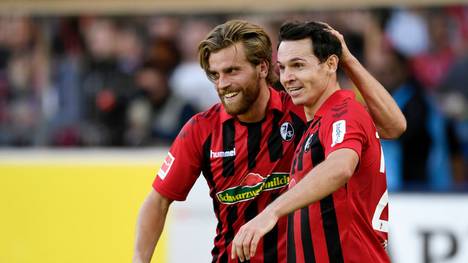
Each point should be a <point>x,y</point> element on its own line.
<point>349,225</point>
<point>246,166</point>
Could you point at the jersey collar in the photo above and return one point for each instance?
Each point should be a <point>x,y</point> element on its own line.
<point>274,103</point>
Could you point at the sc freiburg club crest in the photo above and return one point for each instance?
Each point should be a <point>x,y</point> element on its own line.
<point>287,131</point>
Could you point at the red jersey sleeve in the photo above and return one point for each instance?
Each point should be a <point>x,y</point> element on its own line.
<point>344,129</point>
<point>182,165</point>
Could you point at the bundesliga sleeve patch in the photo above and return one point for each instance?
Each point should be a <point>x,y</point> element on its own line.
<point>338,133</point>
<point>166,166</point>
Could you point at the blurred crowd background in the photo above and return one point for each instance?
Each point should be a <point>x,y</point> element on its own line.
<point>133,81</point>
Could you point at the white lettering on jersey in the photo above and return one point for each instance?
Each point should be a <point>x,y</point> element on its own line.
<point>338,133</point>
<point>166,166</point>
<point>222,154</point>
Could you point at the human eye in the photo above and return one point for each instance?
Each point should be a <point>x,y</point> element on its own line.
<point>298,65</point>
<point>232,70</point>
<point>213,76</point>
<point>281,67</point>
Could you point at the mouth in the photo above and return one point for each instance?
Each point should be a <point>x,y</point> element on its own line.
<point>294,90</point>
<point>230,95</point>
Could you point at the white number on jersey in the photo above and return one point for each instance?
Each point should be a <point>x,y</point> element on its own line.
<point>377,223</point>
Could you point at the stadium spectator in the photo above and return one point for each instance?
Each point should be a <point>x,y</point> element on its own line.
<point>188,79</point>
<point>156,114</point>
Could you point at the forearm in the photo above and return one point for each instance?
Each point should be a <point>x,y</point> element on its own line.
<point>320,182</point>
<point>386,114</point>
<point>149,228</point>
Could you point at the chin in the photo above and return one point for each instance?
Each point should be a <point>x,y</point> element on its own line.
<point>235,109</point>
<point>298,101</point>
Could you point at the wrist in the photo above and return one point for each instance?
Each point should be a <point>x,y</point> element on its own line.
<point>348,60</point>
<point>272,212</point>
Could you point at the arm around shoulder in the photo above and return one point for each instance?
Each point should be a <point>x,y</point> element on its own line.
<point>150,225</point>
<point>386,114</point>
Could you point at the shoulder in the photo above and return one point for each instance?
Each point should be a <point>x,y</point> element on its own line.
<point>201,124</point>
<point>288,105</point>
<point>210,115</point>
<point>348,108</point>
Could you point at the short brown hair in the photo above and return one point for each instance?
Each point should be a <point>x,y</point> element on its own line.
<point>257,44</point>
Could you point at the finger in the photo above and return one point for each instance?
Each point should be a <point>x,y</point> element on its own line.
<point>236,244</point>
<point>238,253</point>
<point>334,32</point>
<point>233,249</point>
<point>246,245</point>
<point>326,25</point>
<point>254,244</point>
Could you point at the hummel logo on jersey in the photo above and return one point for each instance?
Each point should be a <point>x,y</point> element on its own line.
<point>287,131</point>
<point>222,154</point>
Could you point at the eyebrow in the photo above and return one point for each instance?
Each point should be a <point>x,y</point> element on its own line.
<point>230,68</point>
<point>295,59</point>
<point>227,69</point>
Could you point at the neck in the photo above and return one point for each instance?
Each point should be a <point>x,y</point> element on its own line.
<point>257,111</point>
<point>311,109</point>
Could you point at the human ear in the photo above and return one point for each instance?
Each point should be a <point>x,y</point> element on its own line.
<point>263,69</point>
<point>332,63</point>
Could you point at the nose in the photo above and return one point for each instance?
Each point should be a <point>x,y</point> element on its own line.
<point>223,82</point>
<point>287,76</point>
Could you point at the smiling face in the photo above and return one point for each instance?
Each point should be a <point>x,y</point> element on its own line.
<point>237,81</point>
<point>303,76</point>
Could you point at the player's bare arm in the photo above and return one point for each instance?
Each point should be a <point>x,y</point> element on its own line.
<point>389,119</point>
<point>150,226</point>
<point>321,181</point>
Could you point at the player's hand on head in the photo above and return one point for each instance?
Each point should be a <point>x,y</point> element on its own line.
<point>244,244</point>
<point>345,53</point>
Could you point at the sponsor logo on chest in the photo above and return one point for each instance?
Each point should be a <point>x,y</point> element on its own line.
<point>252,186</point>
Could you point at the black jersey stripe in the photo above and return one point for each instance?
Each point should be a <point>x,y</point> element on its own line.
<point>291,252</point>
<point>229,135</point>
<point>219,229</point>
<point>300,156</point>
<point>251,211</point>
<point>316,150</point>
<point>275,145</point>
<point>330,227</point>
<point>327,209</point>
<point>229,236</point>
<point>270,246</point>
<point>254,138</point>
<point>293,166</point>
<point>215,250</point>
<point>208,174</point>
<point>223,258</point>
<point>270,241</point>
<point>299,128</point>
<point>306,236</point>
<point>206,164</point>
